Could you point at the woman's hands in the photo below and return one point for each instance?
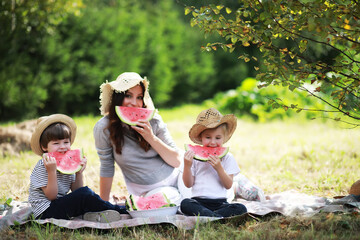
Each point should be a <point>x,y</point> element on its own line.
<point>168,154</point>
<point>144,129</point>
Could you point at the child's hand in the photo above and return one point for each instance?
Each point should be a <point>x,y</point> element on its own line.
<point>118,198</point>
<point>49,163</point>
<point>188,158</point>
<point>215,162</point>
<point>83,164</point>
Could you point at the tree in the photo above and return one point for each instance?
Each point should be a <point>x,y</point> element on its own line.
<point>24,26</point>
<point>307,45</point>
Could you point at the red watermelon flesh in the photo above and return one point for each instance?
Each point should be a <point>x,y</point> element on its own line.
<point>155,201</point>
<point>132,115</point>
<point>203,153</point>
<point>68,162</point>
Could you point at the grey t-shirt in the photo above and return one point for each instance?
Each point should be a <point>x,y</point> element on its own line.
<point>137,166</point>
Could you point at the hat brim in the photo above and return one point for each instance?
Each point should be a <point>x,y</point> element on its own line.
<point>107,89</point>
<point>197,129</point>
<point>43,123</point>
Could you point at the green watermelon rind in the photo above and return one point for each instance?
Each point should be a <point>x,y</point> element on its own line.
<point>128,205</point>
<point>197,157</point>
<point>166,198</point>
<point>125,120</point>
<point>69,171</point>
<point>133,203</point>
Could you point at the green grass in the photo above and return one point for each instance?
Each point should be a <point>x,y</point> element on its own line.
<point>312,157</point>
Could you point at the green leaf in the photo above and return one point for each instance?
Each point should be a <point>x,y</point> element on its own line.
<point>306,1</point>
<point>8,202</point>
<point>303,45</point>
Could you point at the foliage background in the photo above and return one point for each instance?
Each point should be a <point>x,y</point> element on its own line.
<point>56,54</point>
<point>55,57</point>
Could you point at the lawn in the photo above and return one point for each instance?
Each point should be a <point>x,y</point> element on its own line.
<point>310,157</point>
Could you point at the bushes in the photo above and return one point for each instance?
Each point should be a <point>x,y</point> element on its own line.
<point>249,101</point>
<point>61,70</point>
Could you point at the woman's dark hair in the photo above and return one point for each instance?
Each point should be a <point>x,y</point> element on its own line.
<point>55,131</point>
<point>116,127</point>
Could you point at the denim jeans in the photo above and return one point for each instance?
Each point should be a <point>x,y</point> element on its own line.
<point>211,207</point>
<point>77,203</point>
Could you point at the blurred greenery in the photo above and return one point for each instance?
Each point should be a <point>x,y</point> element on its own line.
<point>56,54</point>
<point>249,101</point>
<point>309,45</point>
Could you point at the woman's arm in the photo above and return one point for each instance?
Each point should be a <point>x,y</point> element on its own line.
<point>170,155</point>
<point>167,153</point>
<point>105,152</point>
<point>105,187</point>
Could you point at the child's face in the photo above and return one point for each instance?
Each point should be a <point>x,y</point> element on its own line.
<point>134,97</point>
<point>213,137</point>
<point>61,145</point>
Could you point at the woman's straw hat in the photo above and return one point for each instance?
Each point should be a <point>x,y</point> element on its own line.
<point>211,118</point>
<point>43,123</point>
<point>123,82</point>
<point>355,188</point>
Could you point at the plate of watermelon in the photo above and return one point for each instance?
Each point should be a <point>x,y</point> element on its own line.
<point>150,206</point>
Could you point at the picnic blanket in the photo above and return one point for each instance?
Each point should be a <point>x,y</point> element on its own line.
<point>289,203</point>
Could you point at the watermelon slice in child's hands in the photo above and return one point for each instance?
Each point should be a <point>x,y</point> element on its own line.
<point>132,115</point>
<point>203,153</point>
<point>68,162</point>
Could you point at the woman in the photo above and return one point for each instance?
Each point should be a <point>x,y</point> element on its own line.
<point>146,153</point>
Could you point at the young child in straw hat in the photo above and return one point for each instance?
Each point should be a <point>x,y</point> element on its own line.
<point>210,180</point>
<point>48,193</point>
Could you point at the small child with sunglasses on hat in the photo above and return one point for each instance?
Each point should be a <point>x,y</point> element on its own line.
<point>210,180</point>
<point>49,189</point>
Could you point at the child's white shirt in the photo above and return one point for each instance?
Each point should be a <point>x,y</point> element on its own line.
<point>207,183</point>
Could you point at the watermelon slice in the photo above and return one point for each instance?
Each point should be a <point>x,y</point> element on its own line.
<point>128,204</point>
<point>68,162</point>
<point>203,153</point>
<point>154,201</point>
<point>131,115</point>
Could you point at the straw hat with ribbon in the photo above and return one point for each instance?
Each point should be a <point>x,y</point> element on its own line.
<point>212,118</point>
<point>123,82</point>
<point>43,123</point>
